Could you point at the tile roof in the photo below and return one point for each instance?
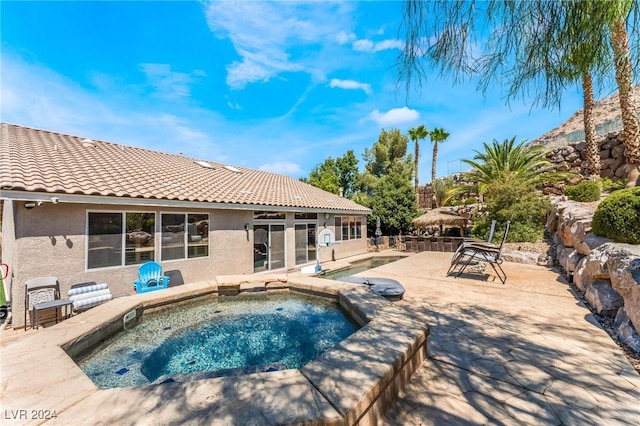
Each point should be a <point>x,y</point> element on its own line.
<point>42,161</point>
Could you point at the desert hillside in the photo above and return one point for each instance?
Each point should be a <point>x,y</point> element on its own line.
<point>606,116</point>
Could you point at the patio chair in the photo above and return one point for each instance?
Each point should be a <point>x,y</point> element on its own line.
<point>481,252</point>
<point>43,294</point>
<point>150,278</point>
<point>470,240</point>
<point>87,295</point>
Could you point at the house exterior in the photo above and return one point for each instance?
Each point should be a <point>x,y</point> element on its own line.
<point>84,210</point>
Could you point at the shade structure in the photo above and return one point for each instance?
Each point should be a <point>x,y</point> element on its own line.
<point>440,217</point>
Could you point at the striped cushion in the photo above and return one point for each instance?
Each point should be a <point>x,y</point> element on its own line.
<point>87,289</point>
<point>88,296</point>
<point>91,301</point>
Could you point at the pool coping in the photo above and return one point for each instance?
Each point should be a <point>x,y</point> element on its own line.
<point>352,383</point>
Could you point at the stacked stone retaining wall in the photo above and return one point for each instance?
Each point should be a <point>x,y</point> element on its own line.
<point>572,158</point>
<point>605,272</point>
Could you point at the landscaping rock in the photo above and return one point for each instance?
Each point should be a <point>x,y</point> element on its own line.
<point>624,265</point>
<point>568,258</point>
<point>625,332</point>
<point>596,264</point>
<point>574,223</point>
<point>589,243</point>
<point>521,257</point>
<point>603,298</point>
<point>581,279</point>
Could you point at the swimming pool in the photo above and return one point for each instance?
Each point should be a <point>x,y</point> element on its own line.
<point>229,336</point>
<point>360,266</point>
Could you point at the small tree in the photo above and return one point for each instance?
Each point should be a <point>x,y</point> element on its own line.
<point>507,174</point>
<point>333,174</point>
<point>388,172</point>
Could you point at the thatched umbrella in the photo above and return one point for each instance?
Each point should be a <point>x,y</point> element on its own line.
<point>440,217</point>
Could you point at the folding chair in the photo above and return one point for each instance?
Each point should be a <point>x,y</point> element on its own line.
<point>481,252</point>
<point>41,294</point>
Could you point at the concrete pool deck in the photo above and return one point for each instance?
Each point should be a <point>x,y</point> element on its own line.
<point>355,381</point>
<point>526,352</point>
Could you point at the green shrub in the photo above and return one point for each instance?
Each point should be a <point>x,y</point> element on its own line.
<point>609,185</point>
<point>583,192</point>
<point>524,207</point>
<point>618,216</point>
<point>469,201</point>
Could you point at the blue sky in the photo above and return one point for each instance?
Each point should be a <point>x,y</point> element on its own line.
<point>278,86</point>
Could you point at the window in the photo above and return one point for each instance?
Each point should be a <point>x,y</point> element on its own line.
<point>110,234</point>
<point>140,240</point>
<point>348,227</point>
<point>178,244</point>
<point>306,216</point>
<point>270,215</point>
<point>104,240</point>
<point>198,233</point>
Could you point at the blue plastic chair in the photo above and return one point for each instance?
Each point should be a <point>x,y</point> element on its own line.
<point>150,278</point>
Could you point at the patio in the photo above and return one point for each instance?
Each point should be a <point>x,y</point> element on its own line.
<point>527,352</point>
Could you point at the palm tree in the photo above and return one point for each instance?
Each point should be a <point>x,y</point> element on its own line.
<point>624,78</point>
<point>437,135</point>
<point>525,34</point>
<point>512,163</point>
<point>417,134</point>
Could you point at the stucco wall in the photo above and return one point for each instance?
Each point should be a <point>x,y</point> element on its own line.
<point>8,237</point>
<point>50,241</point>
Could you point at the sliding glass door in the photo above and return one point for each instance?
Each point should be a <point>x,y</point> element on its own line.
<point>268,247</point>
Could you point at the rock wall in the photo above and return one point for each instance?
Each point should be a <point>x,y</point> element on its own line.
<point>572,158</point>
<point>607,273</point>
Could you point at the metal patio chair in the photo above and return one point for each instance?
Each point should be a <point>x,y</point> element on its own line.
<point>470,240</point>
<point>481,252</point>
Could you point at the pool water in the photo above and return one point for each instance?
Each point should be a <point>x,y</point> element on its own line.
<point>223,337</point>
<point>361,266</point>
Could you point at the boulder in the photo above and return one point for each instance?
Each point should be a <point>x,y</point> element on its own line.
<point>593,266</point>
<point>621,172</point>
<point>618,151</point>
<point>572,156</point>
<point>581,279</point>
<point>574,223</point>
<point>528,258</point>
<point>603,298</point>
<point>568,258</point>
<point>589,243</point>
<point>623,264</point>
<point>625,332</point>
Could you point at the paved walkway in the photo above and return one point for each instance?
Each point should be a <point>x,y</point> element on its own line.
<point>527,352</point>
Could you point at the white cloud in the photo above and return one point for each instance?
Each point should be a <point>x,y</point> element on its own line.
<point>344,37</point>
<point>366,45</point>
<point>167,83</point>
<point>394,116</point>
<point>232,105</point>
<point>264,33</point>
<point>282,167</point>
<point>350,85</point>
<point>36,96</point>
